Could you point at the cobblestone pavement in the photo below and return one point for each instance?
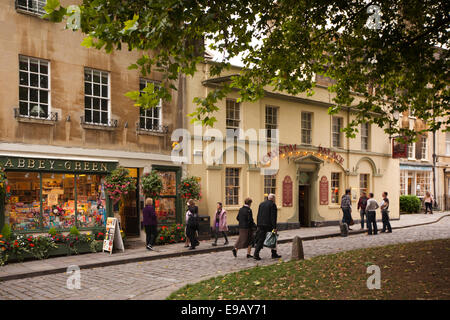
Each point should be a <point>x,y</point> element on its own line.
<point>157,279</point>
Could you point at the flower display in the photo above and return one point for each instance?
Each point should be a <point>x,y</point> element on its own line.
<point>119,183</point>
<point>190,188</point>
<point>170,234</point>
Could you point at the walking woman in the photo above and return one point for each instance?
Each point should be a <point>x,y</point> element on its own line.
<point>220,224</point>
<point>428,202</point>
<point>192,224</point>
<point>150,223</point>
<point>246,227</point>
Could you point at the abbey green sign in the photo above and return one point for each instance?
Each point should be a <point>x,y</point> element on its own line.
<point>42,164</point>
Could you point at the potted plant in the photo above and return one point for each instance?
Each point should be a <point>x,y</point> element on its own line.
<point>151,184</point>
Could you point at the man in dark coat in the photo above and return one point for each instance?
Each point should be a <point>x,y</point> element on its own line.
<point>266,222</point>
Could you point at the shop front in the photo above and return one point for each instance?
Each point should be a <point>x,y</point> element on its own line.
<point>51,192</point>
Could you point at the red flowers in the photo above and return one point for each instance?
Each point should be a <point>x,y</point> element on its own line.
<point>161,238</point>
<point>31,245</point>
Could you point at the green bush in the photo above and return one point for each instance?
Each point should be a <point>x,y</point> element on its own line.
<point>170,234</point>
<point>74,231</point>
<point>52,231</point>
<point>410,204</point>
<point>6,232</point>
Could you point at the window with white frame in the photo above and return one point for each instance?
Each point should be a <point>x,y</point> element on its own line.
<point>270,184</point>
<point>34,87</point>
<point>447,143</point>
<point>335,183</point>
<point>232,186</point>
<point>365,130</point>
<point>364,182</point>
<point>233,114</point>
<point>424,147</point>
<point>411,150</point>
<point>32,6</point>
<point>422,183</point>
<point>150,119</point>
<point>403,190</point>
<point>336,131</point>
<point>306,127</point>
<point>271,121</point>
<point>96,96</point>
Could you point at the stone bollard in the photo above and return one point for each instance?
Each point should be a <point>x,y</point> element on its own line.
<point>297,249</point>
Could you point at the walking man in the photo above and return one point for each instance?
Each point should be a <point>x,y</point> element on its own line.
<point>371,208</point>
<point>266,222</point>
<point>346,206</point>
<point>384,206</point>
<point>362,203</point>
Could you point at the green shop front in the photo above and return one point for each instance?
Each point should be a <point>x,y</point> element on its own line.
<point>51,192</point>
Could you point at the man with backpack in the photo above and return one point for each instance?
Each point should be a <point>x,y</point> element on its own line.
<point>362,203</point>
<point>192,224</point>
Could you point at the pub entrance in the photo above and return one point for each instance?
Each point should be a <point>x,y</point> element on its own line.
<point>303,206</point>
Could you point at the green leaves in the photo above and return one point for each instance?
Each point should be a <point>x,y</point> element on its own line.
<point>400,66</point>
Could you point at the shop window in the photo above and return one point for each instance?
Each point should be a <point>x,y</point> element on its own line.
<point>365,136</point>
<point>91,201</point>
<point>335,184</point>
<point>364,183</point>
<point>403,183</point>
<point>422,183</point>
<point>270,184</point>
<point>165,207</point>
<point>306,127</point>
<point>27,211</point>
<point>34,87</point>
<point>271,122</point>
<point>23,209</point>
<point>96,97</point>
<point>232,186</point>
<point>233,115</point>
<point>32,6</point>
<point>150,119</point>
<point>58,200</point>
<point>336,131</point>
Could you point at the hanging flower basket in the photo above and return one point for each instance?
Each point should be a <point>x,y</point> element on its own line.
<point>190,188</point>
<point>119,183</point>
<point>151,184</point>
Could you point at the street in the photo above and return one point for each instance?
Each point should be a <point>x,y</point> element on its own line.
<point>157,279</point>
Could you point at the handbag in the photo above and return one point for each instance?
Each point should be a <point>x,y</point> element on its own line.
<point>271,240</point>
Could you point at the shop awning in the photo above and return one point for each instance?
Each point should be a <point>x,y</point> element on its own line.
<point>410,167</point>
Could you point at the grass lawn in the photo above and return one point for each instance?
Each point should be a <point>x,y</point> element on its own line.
<point>418,270</point>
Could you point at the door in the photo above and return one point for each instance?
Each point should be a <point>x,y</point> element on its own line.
<point>303,206</point>
<point>131,209</point>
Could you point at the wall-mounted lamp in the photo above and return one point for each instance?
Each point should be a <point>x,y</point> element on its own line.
<point>68,119</point>
<point>126,124</point>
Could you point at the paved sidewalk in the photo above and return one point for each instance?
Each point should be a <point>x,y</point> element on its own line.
<point>95,260</point>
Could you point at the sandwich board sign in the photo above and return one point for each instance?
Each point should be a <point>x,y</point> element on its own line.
<point>112,236</point>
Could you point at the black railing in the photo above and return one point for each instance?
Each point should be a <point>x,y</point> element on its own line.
<point>152,129</point>
<point>52,116</point>
<point>111,123</point>
<point>35,7</point>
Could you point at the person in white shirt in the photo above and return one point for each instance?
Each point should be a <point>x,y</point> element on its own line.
<point>371,208</point>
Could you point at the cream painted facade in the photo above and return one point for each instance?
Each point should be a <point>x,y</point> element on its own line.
<point>377,163</point>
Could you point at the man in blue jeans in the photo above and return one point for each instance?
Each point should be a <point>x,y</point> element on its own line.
<point>371,208</point>
<point>384,206</point>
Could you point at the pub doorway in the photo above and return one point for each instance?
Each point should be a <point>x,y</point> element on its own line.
<point>303,205</point>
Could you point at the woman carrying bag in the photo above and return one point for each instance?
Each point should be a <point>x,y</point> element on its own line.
<point>246,229</point>
<point>220,224</point>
